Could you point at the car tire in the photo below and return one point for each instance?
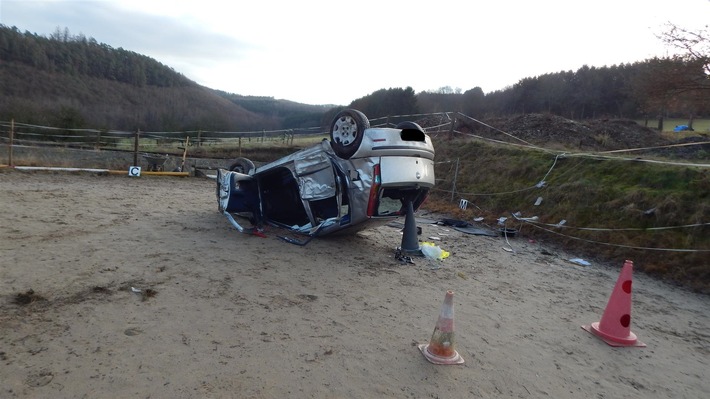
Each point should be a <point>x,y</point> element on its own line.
<point>346,132</point>
<point>242,165</point>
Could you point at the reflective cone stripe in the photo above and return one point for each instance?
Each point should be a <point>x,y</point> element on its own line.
<point>440,349</point>
<point>614,328</point>
<point>441,344</point>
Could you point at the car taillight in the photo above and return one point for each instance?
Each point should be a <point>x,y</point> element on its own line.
<point>374,191</point>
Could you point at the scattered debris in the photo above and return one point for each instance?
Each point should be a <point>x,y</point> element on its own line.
<point>507,232</point>
<point>145,294</point>
<point>454,222</point>
<point>433,251</point>
<point>26,298</point>
<point>101,290</point>
<point>401,257</point>
<point>580,262</point>
<point>463,204</point>
<point>133,331</point>
<point>477,231</point>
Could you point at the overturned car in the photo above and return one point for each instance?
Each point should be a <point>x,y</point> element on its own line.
<point>362,176</point>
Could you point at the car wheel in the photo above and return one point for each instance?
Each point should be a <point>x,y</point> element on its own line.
<point>346,132</point>
<point>242,165</point>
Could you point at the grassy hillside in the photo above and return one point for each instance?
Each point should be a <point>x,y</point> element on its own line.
<point>627,204</point>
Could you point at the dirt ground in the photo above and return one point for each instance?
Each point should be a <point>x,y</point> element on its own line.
<point>221,314</point>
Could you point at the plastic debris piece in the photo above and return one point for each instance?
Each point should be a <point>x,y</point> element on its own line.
<point>136,290</point>
<point>433,251</point>
<point>463,204</point>
<point>478,219</point>
<point>580,261</point>
<point>538,201</point>
<point>563,221</point>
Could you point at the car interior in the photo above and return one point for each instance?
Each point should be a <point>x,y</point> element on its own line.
<point>281,198</point>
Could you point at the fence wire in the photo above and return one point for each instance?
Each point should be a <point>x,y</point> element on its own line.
<point>437,125</point>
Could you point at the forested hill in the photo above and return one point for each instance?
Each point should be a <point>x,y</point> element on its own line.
<point>75,82</point>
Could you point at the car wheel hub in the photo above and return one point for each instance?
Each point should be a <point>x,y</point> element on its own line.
<point>345,131</point>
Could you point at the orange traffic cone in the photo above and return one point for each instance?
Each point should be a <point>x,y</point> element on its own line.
<point>615,325</point>
<point>440,350</point>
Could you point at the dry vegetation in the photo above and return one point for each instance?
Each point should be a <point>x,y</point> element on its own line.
<point>629,202</point>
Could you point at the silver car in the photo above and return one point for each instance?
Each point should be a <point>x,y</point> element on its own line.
<point>361,177</point>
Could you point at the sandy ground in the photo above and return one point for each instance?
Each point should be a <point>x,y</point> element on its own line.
<point>223,315</point>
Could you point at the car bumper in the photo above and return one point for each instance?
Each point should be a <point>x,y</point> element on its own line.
<point>406,171</point>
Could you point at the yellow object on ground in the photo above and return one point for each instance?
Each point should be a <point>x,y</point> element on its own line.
<point>444,254</point>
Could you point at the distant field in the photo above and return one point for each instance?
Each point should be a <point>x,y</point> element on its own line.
<point>699,125</point>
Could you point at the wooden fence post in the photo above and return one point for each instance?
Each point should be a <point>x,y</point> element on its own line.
<point>98,141</point>
<point>12,137</point>
<point>135,148</point>
<point>184,153</point>
<point>451,129</point>
<point>456,175</point>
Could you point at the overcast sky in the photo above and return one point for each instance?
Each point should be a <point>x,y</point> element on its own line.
<point>333,52</point>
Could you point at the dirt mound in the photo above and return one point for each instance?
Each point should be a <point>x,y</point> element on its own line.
<point>553,131</point>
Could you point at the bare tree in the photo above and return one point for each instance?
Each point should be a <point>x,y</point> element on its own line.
<point>688,86</point>
<point>694,44</point>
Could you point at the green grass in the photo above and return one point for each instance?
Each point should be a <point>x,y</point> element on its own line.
<point>590,193</point>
